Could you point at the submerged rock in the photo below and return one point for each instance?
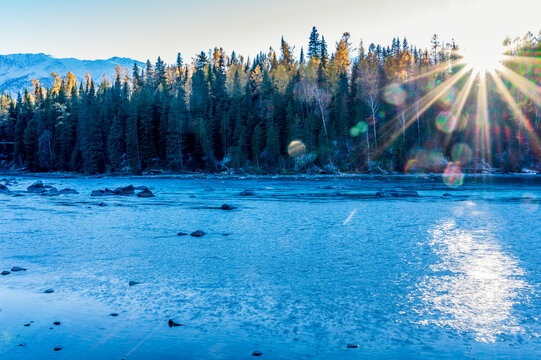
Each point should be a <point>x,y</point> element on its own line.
<point>131,283</point>
<point>68,191</point>
<point>5,272</point>
<point>257,353</point>
<point>352,346</point>
<point>113,314</point>
<point>247,193</point>
<point>447,194</point>
<point>198,233</point>
<point>3,189</point>
<point>140,187</point>
<point>171,323</point>
<point>181,233</point>
<point>58,348</point>
<point>27,325</point>
<point>145,194</point>
<point>17,268</point>
<point>37,187</point>
<point>51,191</point>
<point>57,323</point>
<point>48,291</point>
<point>397,193</point>
<point>227,207</point>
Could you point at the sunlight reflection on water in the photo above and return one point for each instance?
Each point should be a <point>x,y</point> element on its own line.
<point>476,284</point>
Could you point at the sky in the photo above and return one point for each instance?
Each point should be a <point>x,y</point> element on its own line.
<point>146,29</point>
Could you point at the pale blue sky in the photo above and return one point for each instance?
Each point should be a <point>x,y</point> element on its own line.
<point>145,29</point>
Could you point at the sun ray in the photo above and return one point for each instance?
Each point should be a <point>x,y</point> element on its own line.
<point>522,119</point>
<point>528,88</point>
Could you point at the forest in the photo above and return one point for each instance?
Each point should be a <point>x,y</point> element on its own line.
<point>360,108</point>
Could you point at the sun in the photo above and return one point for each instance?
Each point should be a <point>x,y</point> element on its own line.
<point>483,59</point>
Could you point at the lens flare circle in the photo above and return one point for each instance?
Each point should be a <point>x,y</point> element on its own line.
<point>453,175</point>
<point>359,128</point>
<point>296,148</point>
<point>446,122</point>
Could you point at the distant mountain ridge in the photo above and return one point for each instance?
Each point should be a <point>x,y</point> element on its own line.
<point>18,70</point>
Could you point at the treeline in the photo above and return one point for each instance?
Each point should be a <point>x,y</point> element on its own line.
<point>344,111</point>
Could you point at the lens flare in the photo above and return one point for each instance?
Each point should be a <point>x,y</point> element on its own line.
<point>446,122</point>
<point>461,153</point>
<point>453,175</point>
<point>359,128</point>
<point>394,94</point>
<point>296,148</point>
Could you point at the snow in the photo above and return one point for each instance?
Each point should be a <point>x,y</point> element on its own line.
<point>307,267</point>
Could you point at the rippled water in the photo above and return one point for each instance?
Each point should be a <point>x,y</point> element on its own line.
<point>298,271</point>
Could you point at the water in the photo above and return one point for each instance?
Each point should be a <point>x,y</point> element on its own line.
<point>298,271</point>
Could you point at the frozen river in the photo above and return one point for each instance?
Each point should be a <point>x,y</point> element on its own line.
<point>299,270</point>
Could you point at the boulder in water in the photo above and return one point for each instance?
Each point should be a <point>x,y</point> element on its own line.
<point>171,323</point>
<point>57,323</point>
<point>127,190</point>
<point>145,194</point>
<point>181,233</point>
<point>140,187</point>
<point>68,191</point>
<point>227,207</point>
<point>397,193</point>
<point>48,291</point>
<point>17,268</point>
<point>131,283</point>
<point>352,346</point>
<point>198,233</point>
<point>3,189</point>
<point>247,193</point>
<point>257,353</point>
<point>113,314</point>
<point>58,348</point>
<point>52,191</point>
<point>5,272</point>
<point>37,187</point>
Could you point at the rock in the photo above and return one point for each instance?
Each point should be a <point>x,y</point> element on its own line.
<point>5,272</point>
<point>352,346</point>
<point>145,194</point>
<point>182,233</point>
<point>22,345</point>
<point>198,233</point>
<point>36,187</point>
<point>247,193</point>
<point>105,192</point>
<point>57,323</point>
<point>102,204</point>
<point>113,314</point>
<point>140,188</point>
<point>397,193</point>
<point>173,324</point>
<point>68,191</point>
<point>27,325</point>
<point>131,283</point>
<point>127,190</point>
<point>17,268</point>
<point>58,348</point>
<point>51,191</point>
<point>192,196</point>
<point>257,353</point>
<point>3,189</point>
<point>447,194</point>
<point>48,291</point>
<point>227,207</point>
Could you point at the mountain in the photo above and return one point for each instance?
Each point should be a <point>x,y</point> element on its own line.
<point>18,70</point>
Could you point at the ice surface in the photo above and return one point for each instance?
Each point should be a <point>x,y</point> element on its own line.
<point>299,270</point>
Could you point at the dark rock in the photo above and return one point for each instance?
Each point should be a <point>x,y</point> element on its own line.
<point>192,196</point>
<point>198,233</point>
<point>102,204</point>
<point>3,189</point>
<point>257,353</point>
<point>145,194</point>
<point>131,283</point>
<point>17,268</point>
<point>182,233</point>
<point>247,193</point>
<point>105,192</point>
<point>353,346</point>
<point>127,190</point>
<point>68,191</point>
<point>140,188</point>
<point>48,291</point>
<point>57,323</point>
<point>5,272</point>
<point>113,314</point>
<point>22,345</point>
<point>27,325</point>
<point>51,191</point>
<point>397,193</point>
<point>173,324</point>
<point>36,187</point>
<point>447,194</point>
<point>227,207</point>
<point>58,348</point>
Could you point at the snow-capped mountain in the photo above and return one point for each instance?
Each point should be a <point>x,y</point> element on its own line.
<point>18,70</point>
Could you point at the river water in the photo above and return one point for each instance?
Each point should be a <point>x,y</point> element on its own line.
<point>299,270</point>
